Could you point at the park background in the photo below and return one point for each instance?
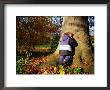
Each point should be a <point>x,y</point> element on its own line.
<point>37,37</point>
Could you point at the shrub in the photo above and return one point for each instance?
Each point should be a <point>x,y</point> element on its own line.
<point>55,41</point>
<point>20,64</point>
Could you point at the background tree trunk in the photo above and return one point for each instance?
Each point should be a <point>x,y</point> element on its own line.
<point>83,54</point>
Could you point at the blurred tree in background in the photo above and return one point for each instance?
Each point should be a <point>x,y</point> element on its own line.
<point>32,31</point>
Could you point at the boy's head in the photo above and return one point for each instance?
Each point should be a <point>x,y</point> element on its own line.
<point>69,34</point>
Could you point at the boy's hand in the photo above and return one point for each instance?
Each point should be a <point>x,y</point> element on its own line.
<point>64,61</point>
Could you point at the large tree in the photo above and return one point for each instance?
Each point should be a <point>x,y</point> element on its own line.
<point>83,56</point>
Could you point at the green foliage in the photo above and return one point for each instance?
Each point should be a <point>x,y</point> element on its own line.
<point>69,70</point>
<point>55,41</point>
<point>77,70</point>
<point>20,64</point>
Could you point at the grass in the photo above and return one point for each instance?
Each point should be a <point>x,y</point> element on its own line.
<point>43,46</point>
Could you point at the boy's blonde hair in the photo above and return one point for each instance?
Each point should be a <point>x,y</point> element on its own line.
<point>69,34</point>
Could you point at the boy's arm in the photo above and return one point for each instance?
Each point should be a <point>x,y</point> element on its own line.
<point>71,41</point>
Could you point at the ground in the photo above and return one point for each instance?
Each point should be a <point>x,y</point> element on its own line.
<point>42,65</point>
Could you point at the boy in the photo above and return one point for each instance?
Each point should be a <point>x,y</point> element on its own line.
<point>66,46</point>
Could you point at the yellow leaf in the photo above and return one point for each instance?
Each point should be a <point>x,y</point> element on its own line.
<point>61,72</point>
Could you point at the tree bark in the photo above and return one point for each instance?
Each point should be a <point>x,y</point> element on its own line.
<point>83,56</point>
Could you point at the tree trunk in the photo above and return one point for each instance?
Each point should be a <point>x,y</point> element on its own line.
<point>83,56</point>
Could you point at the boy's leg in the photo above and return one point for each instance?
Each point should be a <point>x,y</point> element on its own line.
<point>68,59</point>
<point>61,60</point>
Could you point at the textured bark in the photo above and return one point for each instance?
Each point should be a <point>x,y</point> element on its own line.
<point>83,56</point>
